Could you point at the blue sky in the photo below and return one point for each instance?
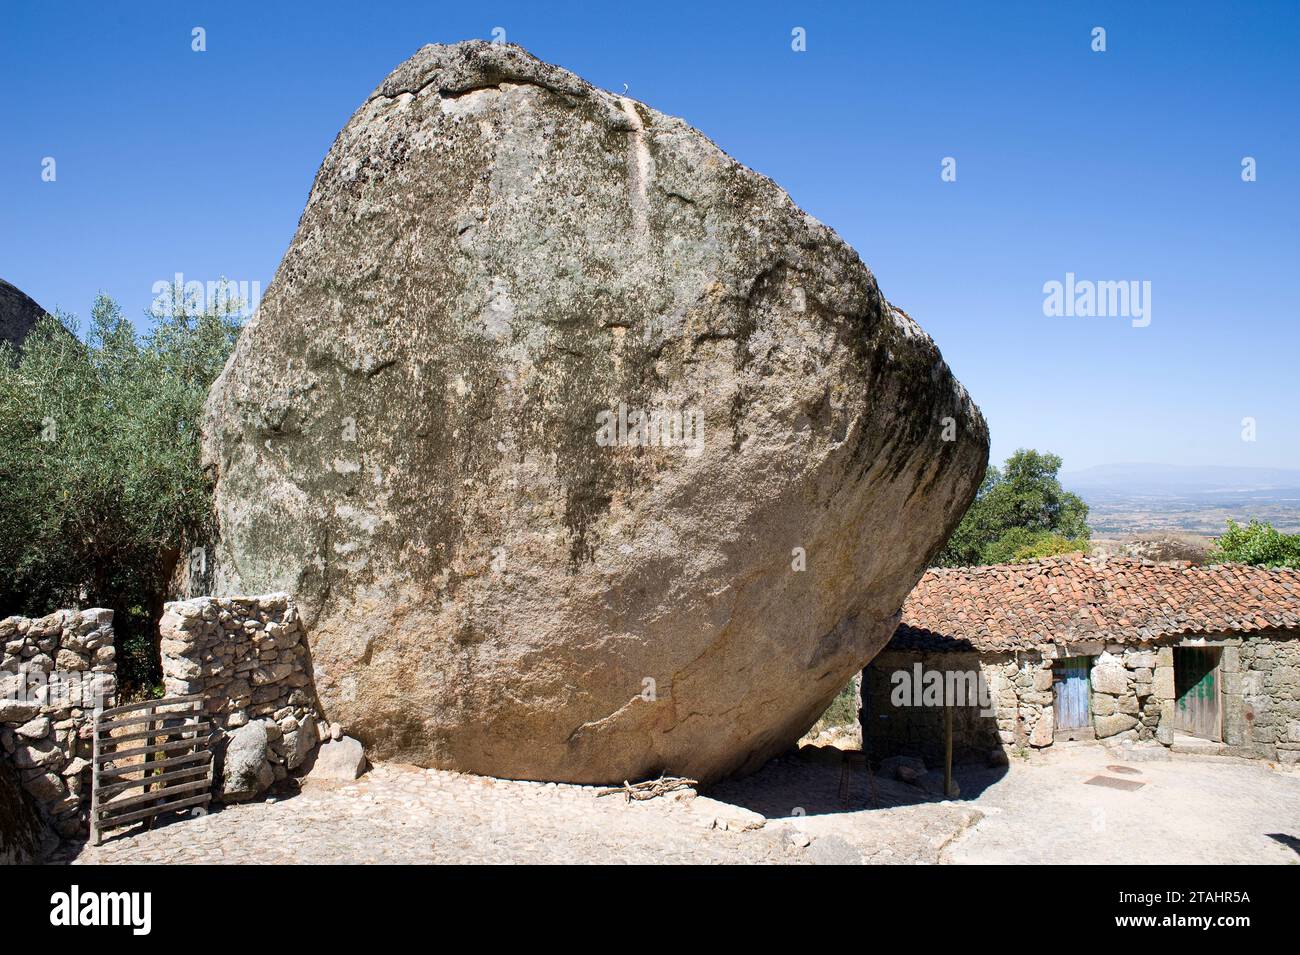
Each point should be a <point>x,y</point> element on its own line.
<point>1122,165</point>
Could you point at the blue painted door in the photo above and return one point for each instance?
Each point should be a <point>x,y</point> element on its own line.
<point>1070,693</point>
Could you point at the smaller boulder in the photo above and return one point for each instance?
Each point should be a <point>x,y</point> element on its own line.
<point>39,754</point>
<point>47,787</point>
<point>1110,679</point>
<point>246,773</point>
<point>38,728</point>
<point>340,760</point>
<point>1044,730</point>
<point>907,769</point>
<point>19,314</point>
<point>715,814</point>
<point>299,744</point>
<point>798,838</point>
<point>1112,725</point>
<point>18,711</point>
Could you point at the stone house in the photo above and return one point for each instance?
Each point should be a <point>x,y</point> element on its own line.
<point>1071,648</point>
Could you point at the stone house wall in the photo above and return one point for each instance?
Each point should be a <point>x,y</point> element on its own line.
<point>1265,720</point>
<point>1132,697</point>
<point>54,672</point>
<point>1127,685</point>
<point>247,656</point>
<point>918,730</point>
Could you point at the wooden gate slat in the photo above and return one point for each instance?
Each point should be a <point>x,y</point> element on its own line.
<point>185,745</point>
<point>156,748</point>
<point>164,701</point>
<point>117,822</point>
<point>110,772</point>
<point>109,725</point>
<point>110,808</point>
<point>112,789</point>
<point>161,731</point>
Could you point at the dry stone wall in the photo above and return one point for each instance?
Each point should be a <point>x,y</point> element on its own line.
<point>55,671</point>
<point>247,657</point>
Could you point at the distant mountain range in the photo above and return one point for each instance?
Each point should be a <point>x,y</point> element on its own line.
<point>1135,498</point>
<point>1174,478</point>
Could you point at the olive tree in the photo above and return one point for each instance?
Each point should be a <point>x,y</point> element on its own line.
<point>100,484</point>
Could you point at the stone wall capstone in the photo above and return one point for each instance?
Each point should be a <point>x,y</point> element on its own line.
<point>247,657</point>
<point>56,670</point>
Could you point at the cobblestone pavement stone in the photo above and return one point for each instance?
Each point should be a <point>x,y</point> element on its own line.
<point>402,814</point>
<point>798,810</point>
<point>399,814</point>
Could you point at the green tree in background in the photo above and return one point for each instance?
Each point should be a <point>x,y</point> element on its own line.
<point>1019,513</point>
<point>100,485</point>
<point>1257,543</point>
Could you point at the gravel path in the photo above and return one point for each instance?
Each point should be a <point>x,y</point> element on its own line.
<point>1188,810</point>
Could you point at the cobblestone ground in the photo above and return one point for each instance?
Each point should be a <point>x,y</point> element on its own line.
<point>398,814</point>
<point>401,814</point>
<point>798,810</point>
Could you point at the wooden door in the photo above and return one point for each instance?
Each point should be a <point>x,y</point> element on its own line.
<point>1196,691</point>
<point>1070,693</point>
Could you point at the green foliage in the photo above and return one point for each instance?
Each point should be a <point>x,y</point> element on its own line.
<point>843,710</point>
<point>1020,512</point>
<point>1258,543</point>
<point>1020,543</point>
<point>100,484</point>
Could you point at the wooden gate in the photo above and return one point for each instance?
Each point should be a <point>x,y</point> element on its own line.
<point>1070,694</point>
<point>1196,690</point>
<point>164,752</point>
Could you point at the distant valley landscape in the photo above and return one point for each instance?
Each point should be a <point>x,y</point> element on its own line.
<point>1140,498</point>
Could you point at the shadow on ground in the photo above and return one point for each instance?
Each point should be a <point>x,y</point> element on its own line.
<point>824,780</point>
<point>1291,842</point>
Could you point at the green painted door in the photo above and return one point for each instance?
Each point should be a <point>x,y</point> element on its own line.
<point>1196,689</point>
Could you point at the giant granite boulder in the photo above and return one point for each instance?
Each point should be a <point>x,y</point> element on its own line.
<point>585,452</point>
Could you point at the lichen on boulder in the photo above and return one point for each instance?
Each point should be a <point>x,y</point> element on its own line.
<point>586,454</point>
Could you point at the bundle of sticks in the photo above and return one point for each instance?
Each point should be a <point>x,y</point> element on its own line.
<point>650,788</point>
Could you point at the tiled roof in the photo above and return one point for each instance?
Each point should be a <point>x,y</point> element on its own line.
<point>1118,599</point>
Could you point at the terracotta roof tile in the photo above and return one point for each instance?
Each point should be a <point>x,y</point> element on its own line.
<point>1007,607</point>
